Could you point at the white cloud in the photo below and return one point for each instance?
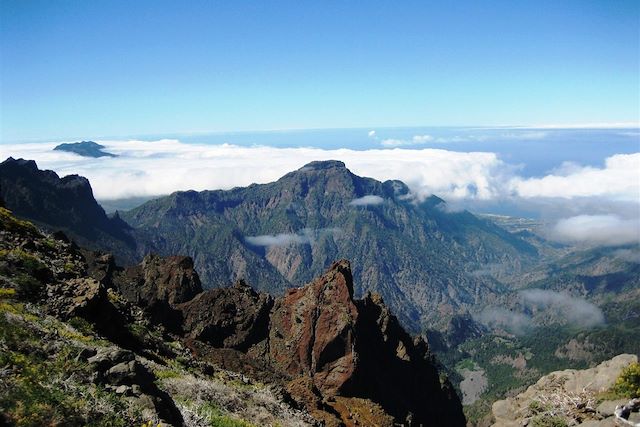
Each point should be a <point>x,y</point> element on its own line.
<point>575,310</point>
<point>421,139</point>
<point>560,306</point>
<point>415,140</point>
<point>608,230</point>
<point>306,236</point>
<point>394,142</point>
<point>282,239</point>
<point>463,179</point>
<point>628,255</point>
<point>148,168</point>
<point>506,136</point>
<point>367,200</point>
<point>471,137</point>
<point>498,317</point>
<point>619,179</point>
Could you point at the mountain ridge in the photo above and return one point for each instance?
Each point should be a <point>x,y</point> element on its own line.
<point>63,203</point>
<point>403,248</point>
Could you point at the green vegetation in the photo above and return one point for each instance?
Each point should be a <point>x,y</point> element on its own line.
<point>45,384</point>
<point>628,383</point>
<point>162,374</point>
<point>465,364</point>
<point>548,421</point>
<point>214,415</point>
<point>13,224</point>
<point>26,271</point>
<point>537,407</point>
<point>81,325</point>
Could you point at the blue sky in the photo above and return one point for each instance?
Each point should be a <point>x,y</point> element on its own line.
<point>79,69</point>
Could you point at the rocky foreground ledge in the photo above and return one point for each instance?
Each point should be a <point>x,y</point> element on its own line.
<point>102,343</point>
<point>570,397</point>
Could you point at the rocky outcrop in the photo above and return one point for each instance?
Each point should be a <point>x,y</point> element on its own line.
<point>569,396</point>
<point>234,318</point>
<point>159,285</point>
<point>317,339</point>
<point>81,297</point>
<point>119,371</point>
<point>160,279</point>
<point>312,330</point>
<point>357,348</point>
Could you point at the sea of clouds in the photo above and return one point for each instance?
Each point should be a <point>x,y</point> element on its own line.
<point>599,205</point>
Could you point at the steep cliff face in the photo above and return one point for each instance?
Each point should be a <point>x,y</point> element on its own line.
<point>66,204</point>
<point>399,370</point>
<point>358,348</point>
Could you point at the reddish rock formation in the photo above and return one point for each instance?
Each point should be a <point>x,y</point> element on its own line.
<point>358,348</point>
<point>317,340</point>
<point>312,330</point>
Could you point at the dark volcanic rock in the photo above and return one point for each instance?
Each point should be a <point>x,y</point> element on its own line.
<point>65,203</point>
<point>158,285</point>
<point>235,317</point>
<point>76,297</point>
<point>398,371</point>
<point>160,279</point>
<point>100,266</point>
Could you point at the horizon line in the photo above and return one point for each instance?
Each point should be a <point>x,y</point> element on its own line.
<point>550,126</point>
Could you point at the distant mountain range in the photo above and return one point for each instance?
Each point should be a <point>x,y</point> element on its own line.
<point>417,255</point>
<point>85,149</point>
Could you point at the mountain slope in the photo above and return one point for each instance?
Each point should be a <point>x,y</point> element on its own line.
<point>85,342</point>
<point>417,255</point>
<point>65,204</point>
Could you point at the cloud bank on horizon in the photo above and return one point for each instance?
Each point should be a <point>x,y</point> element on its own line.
<point>153,168</point>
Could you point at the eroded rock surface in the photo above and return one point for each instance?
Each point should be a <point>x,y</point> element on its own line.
<point>235,317</point>
<point>570,394</point>
<point>312,330</point>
